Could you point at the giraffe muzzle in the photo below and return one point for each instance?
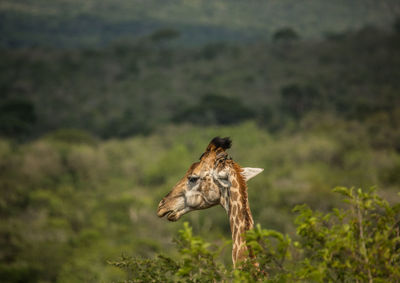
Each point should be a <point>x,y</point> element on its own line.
<point>170,214</point>
<point>165,211</point>
<point>162,210</point>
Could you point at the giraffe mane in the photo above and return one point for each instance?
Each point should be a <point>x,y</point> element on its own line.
<point>219,142</point>
<point>243,192</point>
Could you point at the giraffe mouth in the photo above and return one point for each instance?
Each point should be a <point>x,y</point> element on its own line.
<point>169,213</point>
<point>172,215</point>
<point>172,209</point>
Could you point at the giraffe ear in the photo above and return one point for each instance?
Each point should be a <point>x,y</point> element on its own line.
<point>249,172</point>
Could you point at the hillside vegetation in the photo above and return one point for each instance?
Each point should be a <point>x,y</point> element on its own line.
<point>129,89</point>
<point>71,23</point>
<point>70,203</point>
<point>103,109</point>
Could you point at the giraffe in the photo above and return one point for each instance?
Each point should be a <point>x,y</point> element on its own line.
<point>215,179</point>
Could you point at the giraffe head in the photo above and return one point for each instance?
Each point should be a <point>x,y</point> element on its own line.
<point>205,184</point>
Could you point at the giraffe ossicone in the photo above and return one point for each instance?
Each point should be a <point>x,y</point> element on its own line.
<point>215,179</point>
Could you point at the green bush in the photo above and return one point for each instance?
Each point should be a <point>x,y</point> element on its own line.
<point>197,262</point>
<point>360,243</point>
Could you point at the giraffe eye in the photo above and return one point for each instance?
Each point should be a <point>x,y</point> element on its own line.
<point>193,179</point>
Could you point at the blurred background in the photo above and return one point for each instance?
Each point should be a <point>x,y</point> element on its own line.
<point>105,104</point>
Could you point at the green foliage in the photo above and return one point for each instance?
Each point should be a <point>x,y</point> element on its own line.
<point>164,35</point>
<point>198,258</point>
<point>70,24</point>
<point>212,50</point>
<point>285,34</point>
<point>196,263</point>
<point>160,269</point>
<point>322,112</point>
<point>359,243</point>
<point>297,100</point>
<point>17,118</point>
<point>86,202</point>
<point>396,25</point>
<point>136,87</point>
<point>215,109</point>
<point>73,136</point>
<point>271,253</point>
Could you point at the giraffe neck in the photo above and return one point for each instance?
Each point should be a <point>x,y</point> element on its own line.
<point>240,217</point>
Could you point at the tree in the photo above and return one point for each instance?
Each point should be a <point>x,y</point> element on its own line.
<point>297,100</point>
<point>17,118</point>
<point>285,34</point>
<point>164,35</point>
<point>215,109</point>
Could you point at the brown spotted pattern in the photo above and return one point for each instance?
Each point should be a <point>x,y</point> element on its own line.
<point>240,217</point>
